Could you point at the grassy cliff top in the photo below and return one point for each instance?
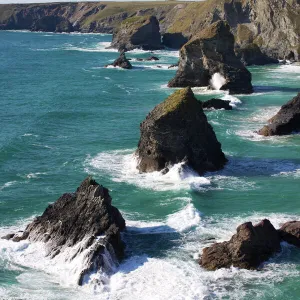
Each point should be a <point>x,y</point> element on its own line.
<point>174,101</point>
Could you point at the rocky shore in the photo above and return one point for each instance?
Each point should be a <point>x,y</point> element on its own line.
<point>85,217</point>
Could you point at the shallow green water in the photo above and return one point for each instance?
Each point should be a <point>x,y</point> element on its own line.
<point>64,116</point>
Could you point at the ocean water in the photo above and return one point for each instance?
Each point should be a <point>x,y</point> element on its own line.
<point>64,116</point>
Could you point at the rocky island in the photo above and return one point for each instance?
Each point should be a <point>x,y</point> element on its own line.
<point>85,217</point>
<point>175,131</point>
<point>286,121</point>
<point>212,52</point>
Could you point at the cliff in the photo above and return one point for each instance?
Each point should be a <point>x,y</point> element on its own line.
<point>271,24</point>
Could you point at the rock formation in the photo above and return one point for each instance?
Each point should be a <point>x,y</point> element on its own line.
<point>174,40</point>
<point>290,233</point>
<point>286,121</point>
<point>85,217</point>
<point>137,32</point>
<point>121,62</point>
<point>247,249</point>
<point>217,104</point>
<point>52,23</point>
<point>211,52</point>
<point>177,130</point>
<point>252,55</point>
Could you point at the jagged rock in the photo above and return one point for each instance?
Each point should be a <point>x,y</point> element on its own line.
<point>252,55</point>
<point>177,130</point>
<point>137,32</point>
<point>290,57</point>
<point>150,58</point>
<point>85,217</point>
<point>174,65</point>
<point>217,104</point>
<point>247,249</point>
<point>174,40</point>
<point>53,24</point>
<point>121,62</point>
<point>212,52</point>
<point>290,232</point>
<point>286,121</point>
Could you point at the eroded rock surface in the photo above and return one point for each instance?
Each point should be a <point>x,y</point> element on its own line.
<point>217,104</point>
<point>211,52</point>
<point>121,62</point>
<point>247,249</point>
<point>177,130</point>
<point>84,218</point>
<point>290,232</point>
<point>286,121</point>
<point>137,32</point>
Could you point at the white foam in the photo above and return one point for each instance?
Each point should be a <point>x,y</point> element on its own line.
<point>99,47</point>
<point>217,81</point>
<point>7,184</point>
<point>234,101</point>
<point>121,165</point>
<point>35,175</point>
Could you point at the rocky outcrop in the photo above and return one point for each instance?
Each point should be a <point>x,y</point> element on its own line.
<point>137,32</point>
<point>121,62</point>
<point>286,121</point>
<point>247,249</point>
<point>217,104</point>
<point>53,24</point>
<point>290,233</point>
<point>212,52</point>
<point>252,55</point>
<point>150,58</point>
<point>175,131</point>
<point>85,218</point>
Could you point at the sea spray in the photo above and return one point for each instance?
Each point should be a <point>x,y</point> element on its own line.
<point>217,81</point>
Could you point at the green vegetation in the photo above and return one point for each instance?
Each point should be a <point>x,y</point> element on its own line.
<point>174,101</point>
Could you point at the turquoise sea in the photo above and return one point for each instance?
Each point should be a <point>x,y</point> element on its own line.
<point>63,116</point>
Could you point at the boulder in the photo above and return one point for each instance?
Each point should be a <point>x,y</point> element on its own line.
<point>212,52</point>
<point>217,104</point>
<point>121,62</point>
<point>286,121</point>
<point>247,249</point>
<point>140,32</point>
<point>85,218</point>
<point>290,232</point>
<point>252,55</point>
<point>175,131</point>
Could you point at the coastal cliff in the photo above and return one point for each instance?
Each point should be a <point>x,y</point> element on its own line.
<point>263,23</point>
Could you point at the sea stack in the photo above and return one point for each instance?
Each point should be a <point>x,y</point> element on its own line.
<point>247,249</point>
<point>175,131</point>
<point>286,121</point>
<point>85,220</point>
<point>138,32</point>
<point>121,62</point>
<point>210,53</point>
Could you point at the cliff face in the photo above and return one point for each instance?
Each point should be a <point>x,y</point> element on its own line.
<point>274,25</point>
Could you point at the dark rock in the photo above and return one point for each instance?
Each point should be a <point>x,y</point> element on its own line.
<point>174,66</point>
<point>8,236</point>
<point>177,130</point>
<point>174,40</point>
<point>290,232</point>
<point>286,121</point>
<point>217,104</point>
<point>121,62</point>
<point>247,249</point>
<point>84,218</point>
<point>252,55</point>
<point>291,56</point>
<point>211,52</point>
<point>152,58</point>
<point>137,32</point>
<point>52,24</point>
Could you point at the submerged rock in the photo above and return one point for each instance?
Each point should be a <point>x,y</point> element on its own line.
<point>290,232</point>
<point>252,55</point>
<point>137,32</point>
<point>247,249</point>
<point>212,52</point>
<point>286,121</point>
<point>150,58</point>
<point>217,104</point>
<point>121,62</point>
<point>84,218</point>
<point>177,130</point>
